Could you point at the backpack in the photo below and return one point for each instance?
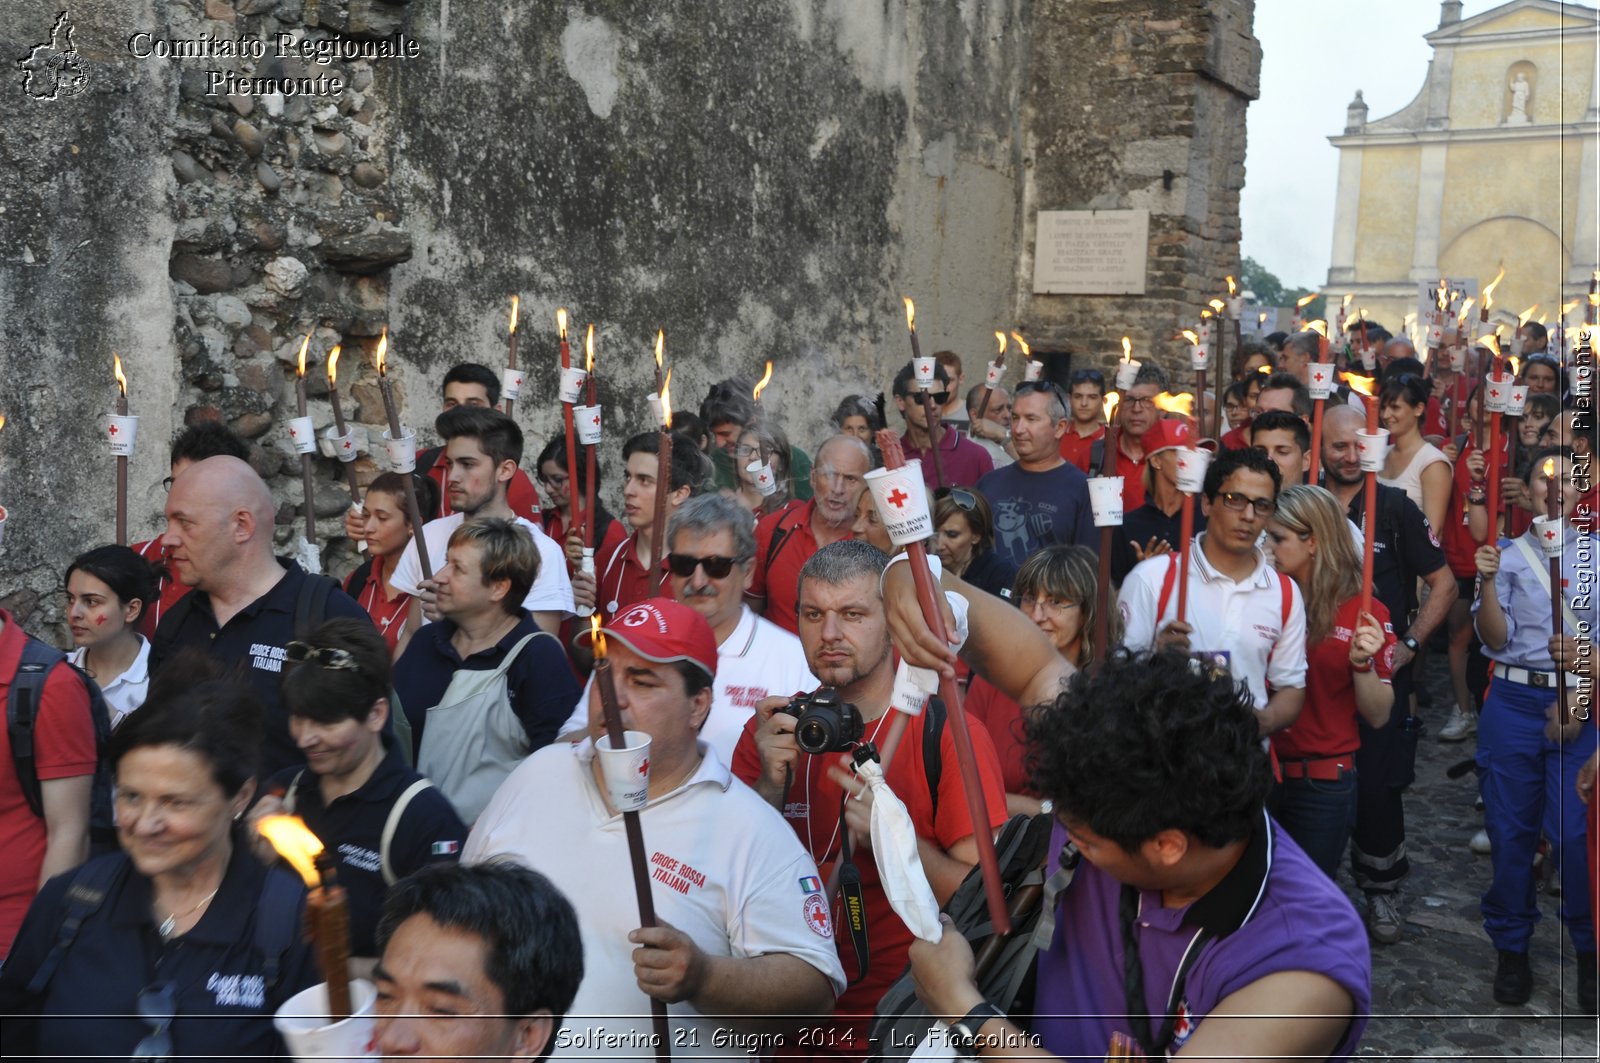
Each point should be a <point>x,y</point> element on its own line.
<point>1004,964</point>
<point>22,712</point>
<point>93,883</point>
<point>1171,578</point>
<point>310,610</point>
<point>391,825</point>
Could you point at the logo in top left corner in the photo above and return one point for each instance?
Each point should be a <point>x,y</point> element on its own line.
<point>54,70</point>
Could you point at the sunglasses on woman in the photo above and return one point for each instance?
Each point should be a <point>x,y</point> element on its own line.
<point>158,1007</point>
<point>321,656</point>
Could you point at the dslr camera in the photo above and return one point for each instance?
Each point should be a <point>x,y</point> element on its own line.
<point>824,723</point>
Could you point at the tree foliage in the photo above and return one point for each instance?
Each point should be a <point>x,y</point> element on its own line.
<point>1270,291</point>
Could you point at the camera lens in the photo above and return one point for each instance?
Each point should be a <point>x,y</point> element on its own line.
<point>815,733</point>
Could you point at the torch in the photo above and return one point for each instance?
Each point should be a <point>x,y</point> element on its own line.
<point>327,906</point>
<point>1483,366</point>
<point>761,385</point>
<point>1128,368</point>
<point>1105,499</point>
<point>303,437</point>
<point>1495,394</point>
<point>1192,464</point>
<point>1032,368</point>
<point>572,382</point>
<point>343,445</point>
<point>1299,312</point>
<point>1219,307</point>
<point>1199,358</point>
<point>122,430</point>
<point>618,747</point>
<point>511,379</point>
<point>589,457</point>
<point>1552,539</point>
<point>910,531</point>
<point>991,380</point>
<point>1373,445</point>
<point>401,446</point>
<point>658,527</point>
<point>924,376</point>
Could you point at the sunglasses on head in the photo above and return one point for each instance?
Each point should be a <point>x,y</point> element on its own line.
<point>683,565</point>
<point>1087,376</point>
<point>964,499</point>
<point>321,656</point>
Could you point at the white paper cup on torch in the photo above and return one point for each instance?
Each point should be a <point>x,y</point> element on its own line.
<point>1550,535</point>
<point>626,770</point>
<point>586,419</point>
<point>922,371</point>
<point>1496,395</point>
<point>572,381</point>
<point>402,452</point>
<point>1032,370</point>
<point>902,500</point>
<point>1199,357</point>
<point>1373,448</point>
<point>302,435</point>
<point>1192,465</point>
<point>339,446</point>
<point>1319,380</point>
<point>1516,400</point>
<point>1235,307</point>
<point>766,482</point>
<point>1127,373</point>
<point>510,383</point>
<point>1436,333</point>
<point>1105,499</point>
<point>655,407</point>
<point>1458,359</point>
<point>120,434</point>
<point>992,375</point>
<point>303,1023</point>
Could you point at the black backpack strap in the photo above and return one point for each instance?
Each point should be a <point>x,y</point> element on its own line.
<point>933,750</point>
<point>1097,456</point>
<point>22,712</point>
<point>780,535</point>
<point>276,924</point>
<point>311,604</point>
<point>91,884</point>
<point>357,581</point>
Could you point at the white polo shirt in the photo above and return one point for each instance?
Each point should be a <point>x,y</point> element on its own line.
<point>1243,619</point>
<point>757,660</point>
<point>551,591</point>
<point>125,692</point>
<point>725,869</point>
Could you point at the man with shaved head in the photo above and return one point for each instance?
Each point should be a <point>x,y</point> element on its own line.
<point>247,605</point>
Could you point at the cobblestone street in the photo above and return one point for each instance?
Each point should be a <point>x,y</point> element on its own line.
<point>1431,992</point>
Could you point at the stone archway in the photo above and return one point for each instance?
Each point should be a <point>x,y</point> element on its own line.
<point>1534,257</point>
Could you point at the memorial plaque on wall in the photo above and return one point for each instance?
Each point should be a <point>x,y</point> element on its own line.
<point>1091,252</point>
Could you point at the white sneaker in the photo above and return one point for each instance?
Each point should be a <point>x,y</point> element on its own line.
<point>1479,843</point>
<point>1461,725</point>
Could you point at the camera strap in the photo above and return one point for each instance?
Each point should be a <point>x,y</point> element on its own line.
<point>854,898</point>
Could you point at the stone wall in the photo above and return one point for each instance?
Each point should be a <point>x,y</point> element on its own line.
<point>761,179</point>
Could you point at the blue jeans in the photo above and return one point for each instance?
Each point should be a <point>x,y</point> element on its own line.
<point>1319,815</point>
<point>1528,786</point>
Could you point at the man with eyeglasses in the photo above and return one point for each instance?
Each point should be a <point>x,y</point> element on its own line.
<point>712,561</point>
<point>1138,414</point>
<point>1405,550</point>
<point>1240,611</point>
<point>992,431</point>
<point>961,461</point>
<point>1042,500</point>
<point>1086,394</point>
<point>785,540</point>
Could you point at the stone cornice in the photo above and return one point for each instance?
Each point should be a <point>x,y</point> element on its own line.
<point>1392,138</point>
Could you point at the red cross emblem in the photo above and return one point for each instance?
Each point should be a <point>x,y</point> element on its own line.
<point>519,382</point>
<point>294,433</point>
<point>1494,393</point>
<point>596,420</point>
<point>644,767</point>
<point>763,479</point>
<point>113,430</point>
<point>347,444</point>
<point>1549,535</point>
<point>1318,378</point>
<point>898,498</point>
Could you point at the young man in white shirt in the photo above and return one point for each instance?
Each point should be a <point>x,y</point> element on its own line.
<point>1239,609</point>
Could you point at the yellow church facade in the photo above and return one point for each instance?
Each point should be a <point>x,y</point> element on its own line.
<point>1493,163</point>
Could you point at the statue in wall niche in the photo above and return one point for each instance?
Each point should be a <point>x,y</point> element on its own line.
<point>1520,88</point>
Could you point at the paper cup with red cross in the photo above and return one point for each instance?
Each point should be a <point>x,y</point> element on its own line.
<point>586,419</point>
<point>993,374</point>
<point>765,480</point>
<point>1497,394</point>
<point>120,434</point>
<point>1199,357</point>
<point>1516,400</point>
<point>1550,535</point>
<point>1373,448</point>
<point>1127,373</point>
<point>402,452</point>
<point>1032,370</point>
<point>902,500</point>
<point>572,381</point>
<point>626,770</point>
<point>510,383</point>
<point>922,371</point>
<point>302,435</point>
<point>1458,358</point>
<point>1320,380</point>
<point>1192,465</point>
<point>1105,499</point>
<point>343,447</point>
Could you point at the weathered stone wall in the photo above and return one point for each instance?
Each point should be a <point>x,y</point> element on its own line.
<point>761,179</point>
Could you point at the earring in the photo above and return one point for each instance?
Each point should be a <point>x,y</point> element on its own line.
<point>238,815</point>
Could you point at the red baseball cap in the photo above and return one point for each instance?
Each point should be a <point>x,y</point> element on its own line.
<point>1166,434</point>
<point>663,631</point>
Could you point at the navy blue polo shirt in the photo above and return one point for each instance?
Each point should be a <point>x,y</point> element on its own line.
<point>255,637</point>
<point>539,684</point>
<point>1404,549</point>
<point>352,829</point>
<point>90,1007</point>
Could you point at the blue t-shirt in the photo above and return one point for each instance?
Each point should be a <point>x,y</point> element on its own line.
<point>1038,509</point>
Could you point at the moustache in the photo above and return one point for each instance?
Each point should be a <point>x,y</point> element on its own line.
<point>699,592</point>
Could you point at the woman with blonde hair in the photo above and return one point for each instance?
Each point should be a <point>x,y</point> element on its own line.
<point>1056,588</point>
<point>1349,658</point>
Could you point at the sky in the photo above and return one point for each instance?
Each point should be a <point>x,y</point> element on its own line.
<point>1311,68</point>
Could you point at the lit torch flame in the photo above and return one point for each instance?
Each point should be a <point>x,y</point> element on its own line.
<point>1345,304</point>
<point>1217,305</point>
<point>588,350</point>
<point>1491,340</point>
<point>1233,289</point>
<point>1027,352</point>
<point>1362,385</point>
<point>597,637</point>
<point>333,365</point>
<point>1549,468</point>
<point>1522,318</point>
<point>383,349</point>
<point>761,385</point>
<point>1567,308</point>
<point>516,302</point>
<point>1001,338</point>
<point>116,370</point>
<point>1319,326</point>
<point>1182,405</point>
<point>911,314</point>
<point>1515,364</point>
<point>1205,314</point>
<point>295,843</point>
<point>1461,319</point>
<point>1301,304</point>
<point>2,420</point>
<point>1488,289</point>
<point>666,400</point>
<point>1109,405</point>
<point>1127,349</point>
<point>1441,297</point>
<point>661,339</point>
<point>300,369</point>
<point>561,322</point>
<point>1194,341</point>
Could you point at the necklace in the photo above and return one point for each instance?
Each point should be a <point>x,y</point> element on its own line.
<point>170,923</point>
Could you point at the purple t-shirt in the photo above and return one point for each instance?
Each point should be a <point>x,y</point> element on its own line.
<point>962,461</point>
<point>1289,917</point>
<point>1033,510</point>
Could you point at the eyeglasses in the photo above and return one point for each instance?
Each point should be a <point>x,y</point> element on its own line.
<point>157,1006</point>
<point>1133,403</point>
<point>743,451</point>
<point>322,656</point>
<point>1050,605</point>
<point>1237,501</point>
<point>166,483</point>
<point>683,565</point>
<point>964,499</point>
<point>559,480</point>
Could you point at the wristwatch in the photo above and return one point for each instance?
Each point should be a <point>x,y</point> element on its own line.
<point>1411,644</point>
<point>964,1034</point>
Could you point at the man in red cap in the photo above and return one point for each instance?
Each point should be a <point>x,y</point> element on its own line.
<point>740,928</point>
<point>1154,528</point>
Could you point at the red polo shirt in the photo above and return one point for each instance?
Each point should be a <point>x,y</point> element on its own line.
<point>961,460</point>
<point>63,747</point>
<point>784,543</point>
<point>168,588</point>
<point>520,495</point>
<point>1132,473</point>
<point>1076,448</point>
<point>622,580</point>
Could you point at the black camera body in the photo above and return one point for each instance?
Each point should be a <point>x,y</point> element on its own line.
<point>824,723</point>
